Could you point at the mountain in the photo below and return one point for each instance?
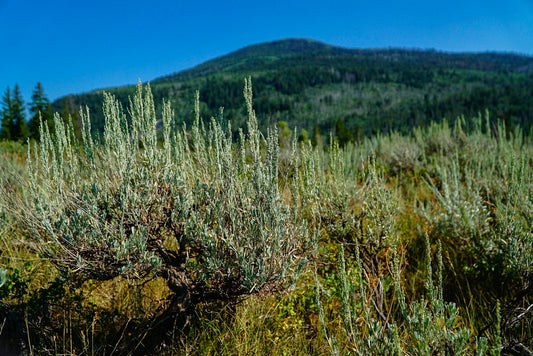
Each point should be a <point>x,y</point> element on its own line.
<point>320,87</point>
<point>250,58</point>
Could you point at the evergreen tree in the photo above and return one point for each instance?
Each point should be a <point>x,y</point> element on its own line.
<point>317,137</point>
<point>71,115</point>
<point>342,134</point>
<point>7,116</point>
<point>19,127</point>
<point>40,110</point>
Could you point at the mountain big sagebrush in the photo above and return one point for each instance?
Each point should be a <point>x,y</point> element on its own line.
<point>186,207</point>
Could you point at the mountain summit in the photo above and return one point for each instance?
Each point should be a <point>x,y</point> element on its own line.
<point>320,87</point>
<point>250,57</point>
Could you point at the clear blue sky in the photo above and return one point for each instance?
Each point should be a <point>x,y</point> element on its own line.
<point>76,46</point>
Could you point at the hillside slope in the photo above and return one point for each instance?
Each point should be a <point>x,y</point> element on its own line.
<point>354,92</point>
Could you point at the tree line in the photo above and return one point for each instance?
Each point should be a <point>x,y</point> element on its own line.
<point>14,125</point>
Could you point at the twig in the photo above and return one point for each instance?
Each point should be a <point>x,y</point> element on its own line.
<point>521,316</point>
<point>121,336</point>
<point>28,334</point>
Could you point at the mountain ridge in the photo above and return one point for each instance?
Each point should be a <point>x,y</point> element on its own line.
<point>295,46</point>
<point>297,80</point>
<point>278,48</point>
<point>292,46</point>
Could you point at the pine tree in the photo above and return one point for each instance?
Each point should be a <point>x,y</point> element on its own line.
<point>40,110</point>
<point>19,129</point>
<point>342,134</point>
<point>7,116</point>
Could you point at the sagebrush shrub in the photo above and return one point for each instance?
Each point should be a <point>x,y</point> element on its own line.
<point>177,204</point>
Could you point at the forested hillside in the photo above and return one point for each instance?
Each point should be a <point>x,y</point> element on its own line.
<point>350,92</point>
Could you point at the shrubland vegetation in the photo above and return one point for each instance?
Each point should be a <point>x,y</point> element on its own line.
<point>155,237</point>
<point>366,202</point>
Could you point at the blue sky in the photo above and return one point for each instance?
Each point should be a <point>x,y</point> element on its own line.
<point>76,46</point>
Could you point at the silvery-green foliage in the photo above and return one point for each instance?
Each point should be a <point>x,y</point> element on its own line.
<point>3,277</point>
<point>376,335</point>
<point>428,326</point>
<point>348,195</point>
<point>437,138</point>
<point>434,326</point>
<point>381,210</point>
<point>401,153</point>
<point>3,221</point>
<point>329,178</point>
<point>331,340</point>
<point>381,340</point>
<point>462,210</point>
<point>184,204</point>
<point>514,211</point>
<point>484,193</point>
<point>434,329</point>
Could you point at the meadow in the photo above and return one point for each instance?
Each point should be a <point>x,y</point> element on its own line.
<point>158,238</point>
